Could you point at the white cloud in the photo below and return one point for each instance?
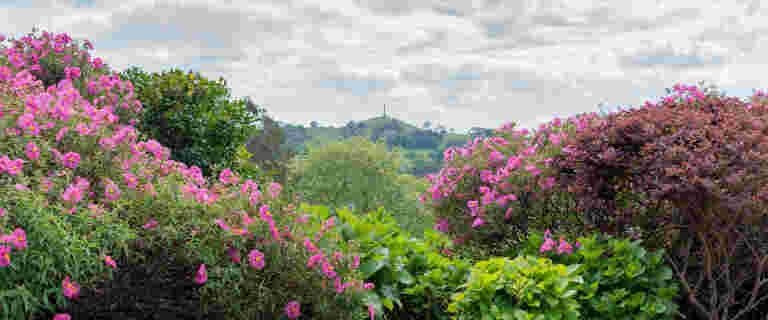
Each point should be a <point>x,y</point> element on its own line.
<point>461,63</point>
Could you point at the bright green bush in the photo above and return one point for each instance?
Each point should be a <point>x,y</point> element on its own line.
<point>415,217</point>
<point>384,252</point>
<point>527,287</point>
<point>410,274</point>
<point>621,279</point>
<point>438,277</point>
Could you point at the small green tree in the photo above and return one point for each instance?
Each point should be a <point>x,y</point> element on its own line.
<point>352,171</point>
<point>193,117</point>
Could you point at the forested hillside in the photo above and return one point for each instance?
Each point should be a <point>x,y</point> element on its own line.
<point>423,147</point>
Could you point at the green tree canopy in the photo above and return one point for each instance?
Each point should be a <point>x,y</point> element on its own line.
<point>193,117</point>
<point>352,171</point>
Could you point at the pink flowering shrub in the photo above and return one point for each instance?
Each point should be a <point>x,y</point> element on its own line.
<point>74,175</point>
<point>493,190</point>
<point>49,206</point>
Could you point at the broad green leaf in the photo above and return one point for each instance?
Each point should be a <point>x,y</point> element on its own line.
<point>521,314</point>
<point>388,303</point>
<point>404,277</point>
<point>636,299</point>
<point>370,267</point>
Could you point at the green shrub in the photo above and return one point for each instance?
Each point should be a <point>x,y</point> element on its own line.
<point>621,279</point>
<point>438,277</point>
<point>410,274</point>
<point>527,287</point>
<point>243,168</point>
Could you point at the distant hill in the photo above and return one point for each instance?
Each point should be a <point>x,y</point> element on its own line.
<point>422,147</point>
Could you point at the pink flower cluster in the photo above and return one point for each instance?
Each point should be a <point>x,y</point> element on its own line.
<point>562,248</point>
<point>19,240</point>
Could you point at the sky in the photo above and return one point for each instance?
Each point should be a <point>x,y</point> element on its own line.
<point>458,63</point>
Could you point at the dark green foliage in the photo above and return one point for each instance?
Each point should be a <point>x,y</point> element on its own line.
<point>270,152</point>
<point>398,140</point>
<point>480,132</point>
<point>352,128</point>
<point>424,140</point>
<point>192,116</point>
<point>701,169</point>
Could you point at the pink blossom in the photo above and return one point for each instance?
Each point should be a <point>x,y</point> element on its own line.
<point>222,224</point>
<point>19,239</point>
<point>274,231</point>
<point>548,245</point>
<point>341,287</point>
<point>151,224</point>
<point>315,259</point>
<point>71,289</point>
<point>14,167</point>
<point>309,245</point>
<point>256,259</point>
<point>130,180</point>
<point>264,213</point>
<point>478,222</point>
<point>32,151</point>
<point>292,310</point>
<point>112,191</point>
<point>5,256</point>
<point>71,160</point>
<point>564,246</point>
<point>247,219</point>
<point>111,262</point>
<point>226,176</point>
<point>275,188</point>
<point>201,276</point>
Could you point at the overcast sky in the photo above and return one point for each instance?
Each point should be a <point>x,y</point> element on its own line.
<point>460,63</point>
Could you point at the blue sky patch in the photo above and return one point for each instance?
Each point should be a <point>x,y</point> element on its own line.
<point>494,30</point>
<point>82,3</point>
